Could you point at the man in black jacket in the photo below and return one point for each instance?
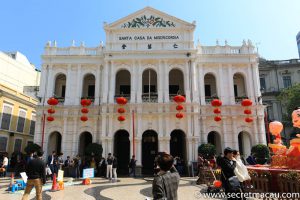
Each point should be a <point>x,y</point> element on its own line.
<point>36,172</point>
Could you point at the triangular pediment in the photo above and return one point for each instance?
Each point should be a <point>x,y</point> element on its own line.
<point>149,18</point>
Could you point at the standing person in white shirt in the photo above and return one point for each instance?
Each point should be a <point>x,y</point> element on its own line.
<point>5,164</point>
<point>114,168</point>
<point>109,162</point>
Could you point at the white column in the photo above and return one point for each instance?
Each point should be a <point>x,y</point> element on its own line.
<point>194,83</point>
<point>97,85</point>
<point>219,82</point>
<point>235,142</point>
<point>256,83</point>
<point>249,86</point>
<point>165,76</point>
<point>190,150</point>
<point>203,130</point>
<point>261,129</point>
<point>161,78</point>
<point>231,86</point>
<point>133,82</point>
<point>64,135</point>
<point>255,137</point>
<point>50,83</point>
<point>68,97</point>
<point>140,83</point>
<point>138,156</point>
<point>112,84</point>
<point>201,85</point>
<point>43,82</point>
<point>75,138</point>
<point>79,85</point>
<point>187,83</point>
<point>105,82</point>
<point>110,145</point>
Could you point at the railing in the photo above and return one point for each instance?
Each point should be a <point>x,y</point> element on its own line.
<point>92,98</point>
<point>152,98</point>
<point>61,99</point>
<point>238,100</point>
<point>73,51</point>
<point>208,99</point>
<point>227,50</point>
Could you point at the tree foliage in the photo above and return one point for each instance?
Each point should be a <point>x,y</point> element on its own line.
<point>290,99</point>
<point>31,148</point>
<point>261,153</point>
<point>207,150</point>
<point>94,149</point>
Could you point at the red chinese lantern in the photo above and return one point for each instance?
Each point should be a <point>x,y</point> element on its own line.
<point>247,112</point>
<point>179,115</point>
<point>50,118</point>
<point>217,110</point>
<point>121,100</point>
<point>248,119</point>
<point>85,110</point>
<point>121,110</point>
<point>179,99</point>
<point>121,118</point>
<point>84,102</point>
<point>217,118</point>
<point>83,118</point>
<point>246,102</point>
<point>216,103</point>
<point>52,101</point>
<point>179,107</point>
<point>217,183</point>
<point>51,111</point>
<point>88,102</point>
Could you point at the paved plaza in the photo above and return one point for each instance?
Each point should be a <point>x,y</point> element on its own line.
<point>103,189</point>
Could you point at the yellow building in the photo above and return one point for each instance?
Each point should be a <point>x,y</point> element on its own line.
<point>17,119</point>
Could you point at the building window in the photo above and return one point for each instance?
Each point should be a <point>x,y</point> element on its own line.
<point>18,145</point>
<point>207,91</point>
<point>262,83</point>
<point>152,88</point>
<point>32,124</point>
<point>3,144</point>
<point>91,91</point>
<point>235,90</point>
<point>124,89</point>
<point>21,121</point>
<point>173,89</point>
<point>287,82</point>
<point>6,117</point>
<point>63,91</point>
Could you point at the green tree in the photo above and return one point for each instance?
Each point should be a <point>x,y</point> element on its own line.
<point>261,153</point>
<point>31,148</point>
<point>94,149</point>
<point>290,99</point>
<point>208,151</point>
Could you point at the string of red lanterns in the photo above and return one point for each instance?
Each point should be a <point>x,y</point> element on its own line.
<point>85,103</point>
<point>121,101</point>
<point>217,103</point>
<point>247,103</point>
<point>179,99</point>
<point>52,102</point>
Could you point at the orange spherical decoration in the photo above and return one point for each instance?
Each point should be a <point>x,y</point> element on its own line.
<point>179,107</point>
<point>247,112</point>
<point>85,110</point>
<point>216,103</point>
<point>217,118</point>
<point>248,119</point>
<point>121,110</point>
<point>50,118</point>
<point>275,127</point>
<point>121,118</point>
<point>52,101</point>
<point>246,102</point>
<point>179,115</point>
<point>83,118</point>
<point>217,183</point>
<point>51,111</point>
<point>121,100</point>
<point>217,110</point>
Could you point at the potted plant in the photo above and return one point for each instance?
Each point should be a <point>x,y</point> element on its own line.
<point>208,151</point>
<point>261,153</point>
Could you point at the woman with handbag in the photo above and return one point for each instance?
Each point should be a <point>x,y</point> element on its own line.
<point>230,182</point>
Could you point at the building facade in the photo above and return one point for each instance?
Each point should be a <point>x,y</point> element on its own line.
<point>17,109</point>
<point>298,42</point>
<point>276,75</point>
<point>149,57</point>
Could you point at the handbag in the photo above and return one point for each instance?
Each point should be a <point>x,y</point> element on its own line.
<point>48,171</point>
<point>233,183</point>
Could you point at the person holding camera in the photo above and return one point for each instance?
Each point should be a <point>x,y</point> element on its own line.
<point>165,183</point>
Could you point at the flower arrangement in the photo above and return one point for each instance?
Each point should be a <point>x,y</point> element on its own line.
<point>290,176</point>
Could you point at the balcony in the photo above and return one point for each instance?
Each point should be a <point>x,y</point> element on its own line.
<point>150,98</point>
<point>208,99</point>
<point>171,96</point>
<point>61,100</point>
<point>238,100</point>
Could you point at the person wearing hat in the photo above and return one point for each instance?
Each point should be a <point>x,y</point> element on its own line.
<point>228,178</point>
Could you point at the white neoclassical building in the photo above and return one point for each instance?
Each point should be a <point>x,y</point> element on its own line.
<point>149,57</point>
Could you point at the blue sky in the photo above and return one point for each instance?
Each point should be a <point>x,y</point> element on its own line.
<point>26,26</point>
